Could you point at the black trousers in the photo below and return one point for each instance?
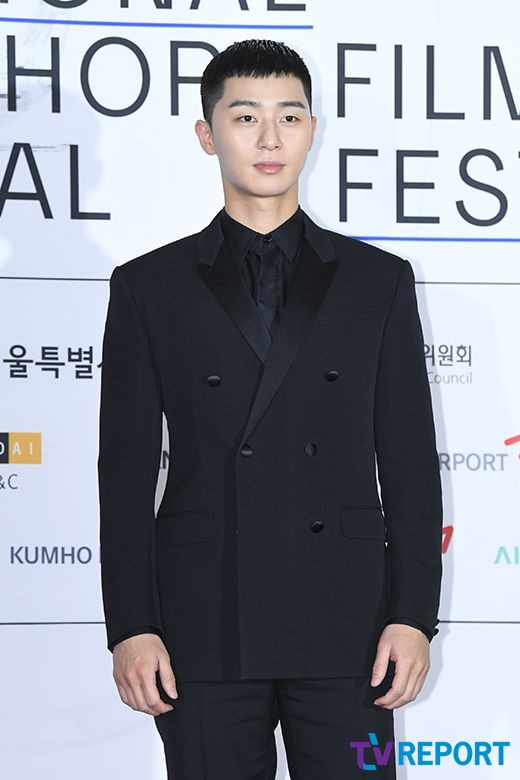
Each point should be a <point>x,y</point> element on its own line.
<point>224,730</point>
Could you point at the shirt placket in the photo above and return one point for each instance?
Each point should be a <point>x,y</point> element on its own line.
<point>268,283</point>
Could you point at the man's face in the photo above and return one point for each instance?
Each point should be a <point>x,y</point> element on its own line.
<point>258,120</point>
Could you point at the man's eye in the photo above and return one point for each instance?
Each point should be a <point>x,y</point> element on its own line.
<point>246,116</point>
<point>291,116</point>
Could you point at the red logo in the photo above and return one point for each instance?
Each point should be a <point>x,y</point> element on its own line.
<point>512,440</point>
<point>447,533</point>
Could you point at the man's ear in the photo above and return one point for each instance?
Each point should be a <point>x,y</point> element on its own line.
<point>205,136</point>
<point>314,121</point>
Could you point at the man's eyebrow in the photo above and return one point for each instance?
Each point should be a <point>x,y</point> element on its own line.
<point>256,103</point>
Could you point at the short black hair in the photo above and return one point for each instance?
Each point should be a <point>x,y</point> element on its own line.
<point>252,57</point>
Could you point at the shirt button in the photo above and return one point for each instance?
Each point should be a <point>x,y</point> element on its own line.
<point>267,239</point>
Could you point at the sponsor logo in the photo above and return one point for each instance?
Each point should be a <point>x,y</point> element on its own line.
<point>447,360</point>
<point>60,362</point>
<point>512,440</point>
<point>447,534</point>
<point>20,447</point>
<point>370,754</point>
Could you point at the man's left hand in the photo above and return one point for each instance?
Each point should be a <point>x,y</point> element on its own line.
<point>410,649</point>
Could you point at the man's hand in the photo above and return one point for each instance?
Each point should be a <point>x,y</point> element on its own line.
<point>136,661</point>
<point>410,650</point>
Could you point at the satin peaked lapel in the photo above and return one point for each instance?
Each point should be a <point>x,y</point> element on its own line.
<point>224,278</point>
<point>310,283</point>
<point>313,274</point>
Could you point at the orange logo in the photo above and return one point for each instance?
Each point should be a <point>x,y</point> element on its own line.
<point>20,447</point>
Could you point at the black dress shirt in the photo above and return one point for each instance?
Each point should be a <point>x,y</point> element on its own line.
<point>267,262</point>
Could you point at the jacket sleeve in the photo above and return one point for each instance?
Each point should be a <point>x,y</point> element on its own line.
<point>130,441</point>
<point>414,623</point>
<point>408,462</point>
<point>135,632</point>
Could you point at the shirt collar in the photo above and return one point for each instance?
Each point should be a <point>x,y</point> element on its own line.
<point>239,237</point>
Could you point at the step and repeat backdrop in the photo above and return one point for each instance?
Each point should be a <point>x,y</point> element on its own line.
<point>417,152</point>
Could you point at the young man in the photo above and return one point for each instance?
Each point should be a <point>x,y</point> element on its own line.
<point>273,585</point>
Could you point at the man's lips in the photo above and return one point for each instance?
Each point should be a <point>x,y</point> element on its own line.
<point>269,167</point>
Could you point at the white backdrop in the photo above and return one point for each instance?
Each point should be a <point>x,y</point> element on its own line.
<point>101,189</point>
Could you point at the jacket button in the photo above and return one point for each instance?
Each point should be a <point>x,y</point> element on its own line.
<point>213,380</point>
<point>331,375</point>
<point>246,450</point>
<point>316,526</point>
<point>311,448</point>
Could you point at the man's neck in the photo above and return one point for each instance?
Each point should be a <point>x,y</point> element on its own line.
<point>261,215</point>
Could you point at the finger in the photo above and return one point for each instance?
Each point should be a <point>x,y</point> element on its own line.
<point>134,684</point>
<point>139,693</point>
<point>407,696</point>
<point>167,676</point>
<point>126,694</point>
<point>409,693</point>
<point>420,681</point>
<point>143,683</point>
<point>398,687</point>
<point>151,695</point>
<point>380,666</point>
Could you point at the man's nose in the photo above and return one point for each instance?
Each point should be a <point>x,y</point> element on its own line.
<point>269,135</point>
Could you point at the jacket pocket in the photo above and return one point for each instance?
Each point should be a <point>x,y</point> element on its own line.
<point>185,527</point>
<point>362,521</point>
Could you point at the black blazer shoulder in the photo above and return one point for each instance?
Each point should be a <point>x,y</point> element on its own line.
<point>180,256</point>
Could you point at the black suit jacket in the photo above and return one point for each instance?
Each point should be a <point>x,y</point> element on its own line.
<point>271,554</point>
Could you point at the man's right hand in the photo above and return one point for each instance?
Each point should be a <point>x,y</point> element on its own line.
<point>136,661</point>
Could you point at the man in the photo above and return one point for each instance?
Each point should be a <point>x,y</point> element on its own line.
<point>273,585</point>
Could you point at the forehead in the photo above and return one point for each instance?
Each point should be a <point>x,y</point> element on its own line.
<point>267,90</point>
